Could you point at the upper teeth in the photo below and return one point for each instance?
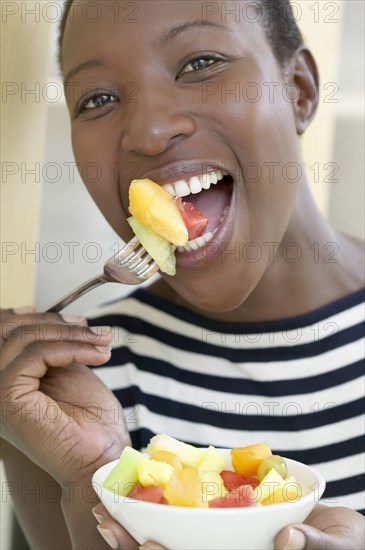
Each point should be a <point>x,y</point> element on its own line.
<point>194,185</point>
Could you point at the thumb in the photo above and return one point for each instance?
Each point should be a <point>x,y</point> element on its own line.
<point>305,537</point>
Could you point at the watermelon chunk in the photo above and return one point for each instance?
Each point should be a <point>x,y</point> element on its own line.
<point>232,480</point>
<point>194,220</point>
<point>153,493</point>
<point>242,497</point>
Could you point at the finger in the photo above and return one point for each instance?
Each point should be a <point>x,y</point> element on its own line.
<point>23,374</point>
<point>115,536</point>
<point>290,537</point>
<point>27,334</point>
<point>10,321</point>
<point>305,537</point>
<point>100,512</point>
<point>6,313</point>
<point>30,311</point>
<point>24,310</point>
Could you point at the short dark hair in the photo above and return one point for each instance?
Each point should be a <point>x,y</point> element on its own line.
<point>276,16</point>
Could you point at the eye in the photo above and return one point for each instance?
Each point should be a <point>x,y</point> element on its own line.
<point>199,64</point>
<point>97,101</point>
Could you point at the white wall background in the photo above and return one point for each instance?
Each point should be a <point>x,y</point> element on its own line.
<point>347,199</point>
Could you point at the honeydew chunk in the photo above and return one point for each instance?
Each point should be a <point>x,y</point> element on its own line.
<point>151,472</point>
<point>158,248</point>
<point>212,460</point>
<point>189,455</point>
<point>212,485</point>
<point>153,206</point>
<point>124,475</point>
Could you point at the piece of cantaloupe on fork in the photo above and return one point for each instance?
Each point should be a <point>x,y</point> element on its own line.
<point>156,209</point>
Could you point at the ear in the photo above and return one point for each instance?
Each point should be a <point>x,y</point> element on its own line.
<point>302,72</point>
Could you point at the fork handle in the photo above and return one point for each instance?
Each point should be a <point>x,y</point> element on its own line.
<point>78,292</point>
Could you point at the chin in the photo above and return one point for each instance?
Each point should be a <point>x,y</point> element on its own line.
<point>212,299</point>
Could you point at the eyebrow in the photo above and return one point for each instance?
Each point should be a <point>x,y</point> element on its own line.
<point>178,29</point>
<point>162,42</point>
<point>82,67</point>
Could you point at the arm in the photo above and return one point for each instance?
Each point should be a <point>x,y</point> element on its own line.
<point>55,456</point>
<point>36,499</point>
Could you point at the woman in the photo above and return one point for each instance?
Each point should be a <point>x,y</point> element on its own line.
<point>180,90</point>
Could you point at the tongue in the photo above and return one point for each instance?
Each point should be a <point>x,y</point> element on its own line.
<point>212,202</point>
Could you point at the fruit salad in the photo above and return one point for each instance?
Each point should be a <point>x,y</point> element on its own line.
<point>178,474</point>
<point>162,222</point>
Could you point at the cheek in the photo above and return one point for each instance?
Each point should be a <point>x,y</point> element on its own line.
<point>98,170</point>
<point>270,164</point>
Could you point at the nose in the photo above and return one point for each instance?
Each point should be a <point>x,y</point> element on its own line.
<point>154,123</point>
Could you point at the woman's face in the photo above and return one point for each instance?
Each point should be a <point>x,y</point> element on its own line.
<point>169,90</point>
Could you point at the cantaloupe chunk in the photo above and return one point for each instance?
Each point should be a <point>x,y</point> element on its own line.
<point>156,209</point>
<point>185,489</point>
<point>169,458</point>
<point>158,248</point>
<point>246,460</point>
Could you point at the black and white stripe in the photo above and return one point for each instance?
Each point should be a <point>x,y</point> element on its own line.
<point>297,384</point>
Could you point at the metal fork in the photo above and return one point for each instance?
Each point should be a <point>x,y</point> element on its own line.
<point>132,265</point>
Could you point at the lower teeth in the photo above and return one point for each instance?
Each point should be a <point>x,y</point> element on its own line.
<point>199,242</point>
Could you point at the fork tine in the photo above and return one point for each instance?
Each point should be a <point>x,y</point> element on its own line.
<point>127,250</point>
<point>148,271</point>
<point>133,263</point>
<point>140,264</point>
<point>139,253</point>
<point>135,259</point>
<point>134,256</point>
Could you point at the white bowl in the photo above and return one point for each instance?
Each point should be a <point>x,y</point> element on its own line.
<point>179,528</point>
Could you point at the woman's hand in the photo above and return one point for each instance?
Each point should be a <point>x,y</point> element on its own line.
<point>114,534</point>
<point>326,528</point>
<point>54,409</point>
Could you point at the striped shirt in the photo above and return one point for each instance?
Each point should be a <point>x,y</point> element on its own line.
<point>296,383</point>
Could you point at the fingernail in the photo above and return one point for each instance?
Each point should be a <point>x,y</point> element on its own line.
<point>101,331</point>
<point>296,540</point>
<point>103,349</point>
<point>108,536</point>
<point>150,546</point>
<point>73,318</point>
<point>97,516</point>
<point>23,310</point>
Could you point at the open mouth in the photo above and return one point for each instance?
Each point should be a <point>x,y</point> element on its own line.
<point>211,195</point>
